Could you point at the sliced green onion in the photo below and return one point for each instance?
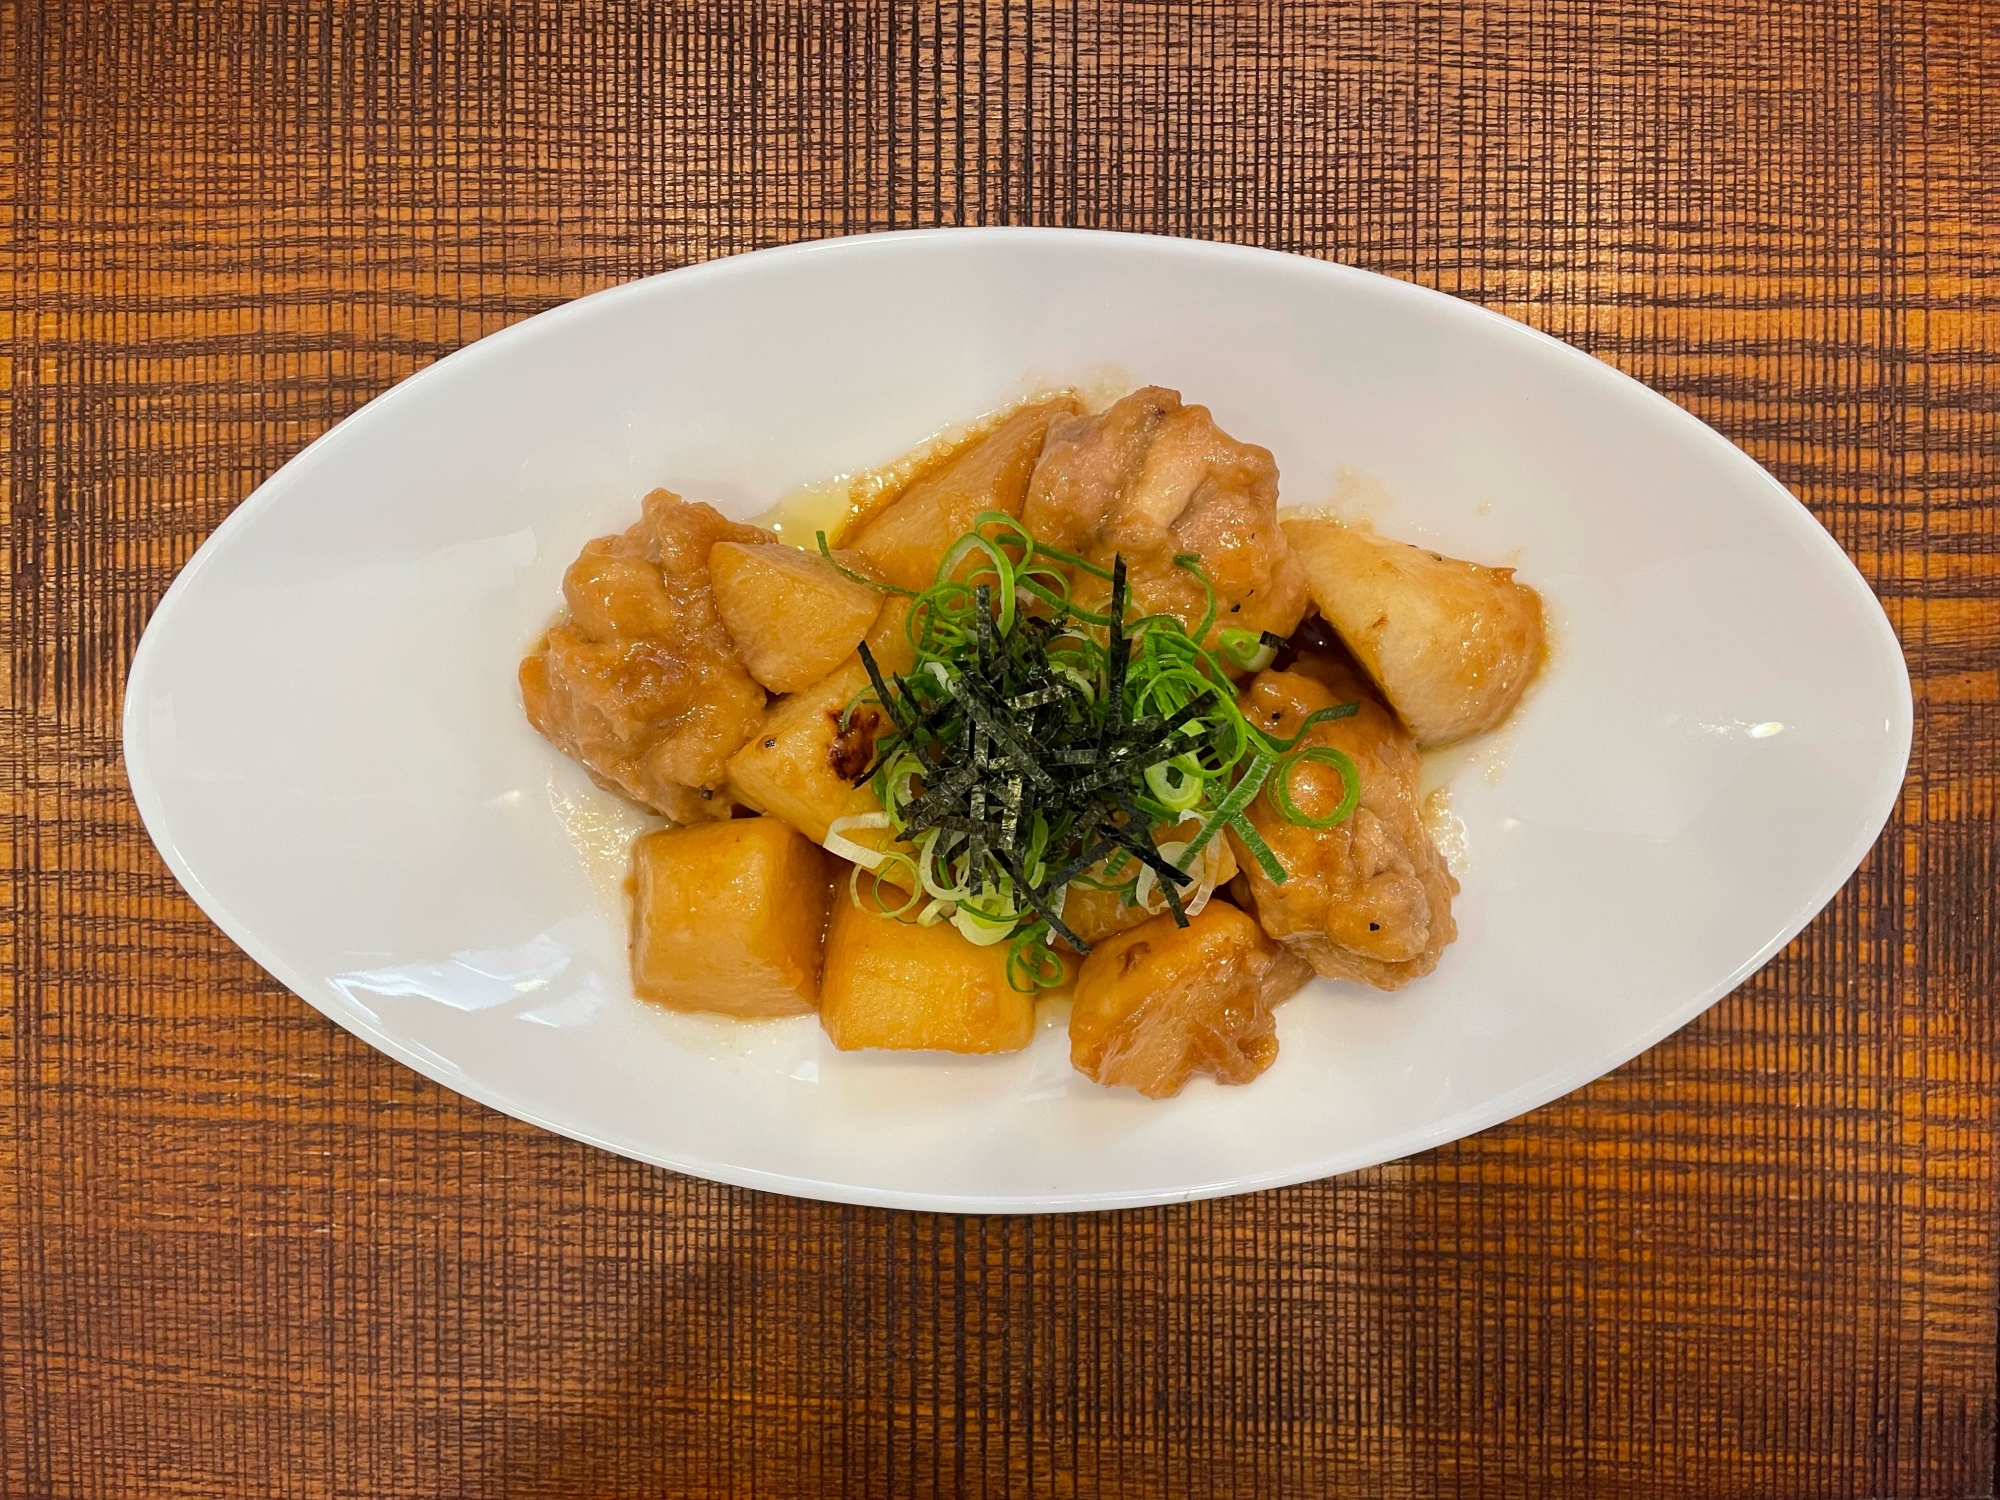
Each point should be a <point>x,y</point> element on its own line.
<point>846,572</point>
<point>854,890</point>
<point>1176,789</point>
<point>846,848</point>
<point>1031,964</point>
<point>1260,851</point>
<point>1248,649</point>
<point>1317,716</point>
<point>1322,755</point>
<point>1038,744</point>
<point>1232,805</point>
<point>1190,562</point>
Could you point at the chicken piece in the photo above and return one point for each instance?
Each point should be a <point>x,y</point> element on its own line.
<point>1152,479</point>
<point>729,917</point>
<point>641,685</point>
<point>1451,644</point>
<point>906,539</point>
<point>793,615</point>
<point>1159,1002</point>
<point>1369,898</point>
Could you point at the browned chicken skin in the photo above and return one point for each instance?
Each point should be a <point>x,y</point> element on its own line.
<point>641,685</point>
<point>1369,898</point>
<point>1158,1003</point>
<point>1152,479</point>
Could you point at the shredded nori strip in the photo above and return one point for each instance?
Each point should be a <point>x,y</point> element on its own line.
<point>1038,899</point>
<point>1078,865</point>
<point>1023,737</point>
<point>891,703</point>
<point>1114,692</point>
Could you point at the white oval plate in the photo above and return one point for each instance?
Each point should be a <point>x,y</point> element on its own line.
<point>324,736</point>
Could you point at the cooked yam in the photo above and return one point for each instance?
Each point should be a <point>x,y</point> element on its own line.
<point>907,539</point>
<point>729,917</point>
<point>893,984</point>
<point>792,614</point>
<point>1095,914</point>
<point>1451,644</point>
<point>801,762</point>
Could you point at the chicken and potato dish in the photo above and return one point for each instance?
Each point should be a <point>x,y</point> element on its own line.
<point>1069,712</point>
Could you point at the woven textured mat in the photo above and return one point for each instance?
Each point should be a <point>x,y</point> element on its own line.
<point>241,1254</point>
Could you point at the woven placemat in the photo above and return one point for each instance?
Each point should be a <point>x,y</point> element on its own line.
<point>241,1254</point>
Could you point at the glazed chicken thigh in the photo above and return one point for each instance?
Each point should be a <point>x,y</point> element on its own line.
<point>1369,898</point>
<point>1153,480</point>
<point>641,684</point>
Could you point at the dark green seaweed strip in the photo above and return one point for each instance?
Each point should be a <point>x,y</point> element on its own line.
<point>1046,912</point>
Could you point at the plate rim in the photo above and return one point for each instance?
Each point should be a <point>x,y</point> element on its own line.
<point>1545,1087</point>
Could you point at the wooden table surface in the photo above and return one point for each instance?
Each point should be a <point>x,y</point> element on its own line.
<point>241,1254</point>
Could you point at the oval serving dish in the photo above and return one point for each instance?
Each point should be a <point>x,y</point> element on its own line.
<point>325,738</point>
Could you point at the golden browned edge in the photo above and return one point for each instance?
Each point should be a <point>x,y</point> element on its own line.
<point>873,491</point>
<point>242,1254</point>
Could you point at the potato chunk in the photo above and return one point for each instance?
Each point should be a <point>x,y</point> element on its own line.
<point>791,613</point>
<point>1451,644</point>
<point>800,763</point>
<point>897,985</point>
<point>907,539</point>
<point>728,917</point>
<point>1158,1002</point>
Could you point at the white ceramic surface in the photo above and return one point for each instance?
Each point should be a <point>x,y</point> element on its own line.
<point>323,733</point>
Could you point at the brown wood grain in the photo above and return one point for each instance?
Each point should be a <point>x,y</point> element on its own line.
<point>241,1254</point>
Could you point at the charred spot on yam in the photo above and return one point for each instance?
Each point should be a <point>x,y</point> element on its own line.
<point>853,747</point>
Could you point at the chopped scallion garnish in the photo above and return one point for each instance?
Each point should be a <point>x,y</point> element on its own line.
<point>1036,745</point>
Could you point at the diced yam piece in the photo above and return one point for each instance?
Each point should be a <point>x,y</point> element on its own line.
<point>1451,644</point>
<point>791,613</point>
<point>729,916</point>
<point>1157,1003</point>
<point>800,764</point>
<point>907,539</point>
<point>1095,915</point>
<point>894,984</point>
